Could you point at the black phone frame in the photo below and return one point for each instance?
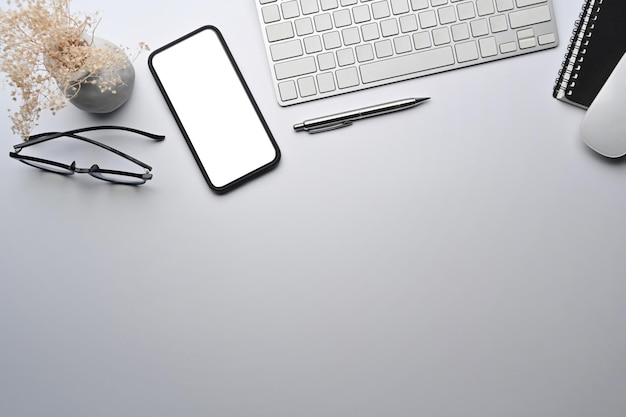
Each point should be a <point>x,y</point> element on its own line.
<point>252,174</point>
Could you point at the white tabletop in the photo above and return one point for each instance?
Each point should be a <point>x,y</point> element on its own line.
<point>464,258</point>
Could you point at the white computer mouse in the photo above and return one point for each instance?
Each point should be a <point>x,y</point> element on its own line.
<point>604,126</point>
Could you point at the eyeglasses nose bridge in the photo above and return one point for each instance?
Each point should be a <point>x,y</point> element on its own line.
<point>82,170</point>
<point>93,168</point>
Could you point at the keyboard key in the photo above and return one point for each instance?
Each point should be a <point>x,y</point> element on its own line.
<point>364,52</point>
<point>441,36</point>
<point>428,19</point>
<point>524,3</point>
<point>389,27</point>
<point>309,6</point>
<point>342,18</point>
<point>485,7</point>
<point>407,64</point>
<point>326,82</point>
<point>300,66</point>
<point>526,33</point>
<point>488,47</point>
<point>380,9</point>
<point>508,47</point>
<point>408,23</point>
<point>348,77</point>
<point>332,40</point>
<point>466,51</point>
<point>306,86</point>
<point>361,14</point>
<point>527,17</point>
<point>370,32</point>
<point>447,15</point>
<point>279,31</point>
<point>290,9</point>
<point>270,13</point>
<point>399,6</point>
<point>419,4</point>
<point>326,61</point>
<point>323,22</point>
<point>313,44</point>
<point>421,40</point>
<point>460,32</point>
<point>329,4</point>
<point>287,91</point>
<point>466,11</point>
<point>402,44</point>
<point>350,36</point>
<point>286,50</point>
<point>304,26</point>
<point>504,5</point>
<point>498,23</point>
<point>547,39</point>
<point>479,28</point>
<point>345,57</point>
<point>383,49</point>
<point>527,43</point>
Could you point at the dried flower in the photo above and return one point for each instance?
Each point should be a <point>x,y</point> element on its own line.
<point>46,53</point>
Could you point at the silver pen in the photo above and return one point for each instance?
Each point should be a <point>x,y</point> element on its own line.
<point>336,121</point>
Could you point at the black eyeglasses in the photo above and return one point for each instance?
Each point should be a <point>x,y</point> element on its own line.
<point>118,177</point>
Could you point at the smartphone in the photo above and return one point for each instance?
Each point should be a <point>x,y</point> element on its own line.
<point>214,109</point>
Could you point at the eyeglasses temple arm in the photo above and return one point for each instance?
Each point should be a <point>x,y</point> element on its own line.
<point>41,138</point>
<point>106,127</point>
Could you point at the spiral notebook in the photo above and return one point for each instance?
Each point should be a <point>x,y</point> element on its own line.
<point>596,46</point>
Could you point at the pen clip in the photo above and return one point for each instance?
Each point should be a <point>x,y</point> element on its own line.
<point>332,126</point>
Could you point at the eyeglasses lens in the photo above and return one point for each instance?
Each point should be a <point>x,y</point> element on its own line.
<point>118,178</point>
<point>48,167</point>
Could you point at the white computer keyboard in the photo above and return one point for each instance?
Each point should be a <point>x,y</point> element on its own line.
<point>321,48</point>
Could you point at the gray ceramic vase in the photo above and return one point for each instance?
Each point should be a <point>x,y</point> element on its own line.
<point>87,96</point>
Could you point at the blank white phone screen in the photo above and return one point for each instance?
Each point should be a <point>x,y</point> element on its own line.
<point>213,108</point>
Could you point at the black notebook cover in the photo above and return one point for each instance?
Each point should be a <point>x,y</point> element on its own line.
<point>597,44</point>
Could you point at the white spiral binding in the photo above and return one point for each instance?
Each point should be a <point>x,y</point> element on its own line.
<point>576,50</point>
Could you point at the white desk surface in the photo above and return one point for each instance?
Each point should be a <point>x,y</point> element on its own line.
<point>464,258</point>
